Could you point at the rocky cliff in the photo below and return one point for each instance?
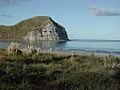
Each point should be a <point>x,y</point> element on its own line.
<point>36,28</point>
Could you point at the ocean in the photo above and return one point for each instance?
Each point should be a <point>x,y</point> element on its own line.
<point>77,45</point>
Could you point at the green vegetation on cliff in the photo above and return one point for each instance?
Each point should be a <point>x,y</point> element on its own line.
<point>55,71</point>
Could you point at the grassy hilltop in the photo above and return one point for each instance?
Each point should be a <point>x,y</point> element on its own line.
<point>55,71</point>
<point>20,29</point>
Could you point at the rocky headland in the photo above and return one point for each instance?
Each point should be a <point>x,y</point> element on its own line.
<point>36,28</point>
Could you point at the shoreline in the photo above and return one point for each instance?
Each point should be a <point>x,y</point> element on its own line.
<point>73,52</point>
<point>63,50</point>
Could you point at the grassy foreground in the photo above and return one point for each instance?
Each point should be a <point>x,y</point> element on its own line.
<point>54,71</point>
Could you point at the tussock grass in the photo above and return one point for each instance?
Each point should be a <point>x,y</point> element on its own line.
<point>54,71</point>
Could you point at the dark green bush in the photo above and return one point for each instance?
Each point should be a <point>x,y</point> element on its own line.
<point>87,81</point>
<point>58,72</point>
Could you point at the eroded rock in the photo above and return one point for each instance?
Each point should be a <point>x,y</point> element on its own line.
<point>36,28</point>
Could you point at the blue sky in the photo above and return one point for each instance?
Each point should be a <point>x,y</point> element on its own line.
<point>83,19</point>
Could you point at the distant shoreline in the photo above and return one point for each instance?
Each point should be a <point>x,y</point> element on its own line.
<point>94,40</point>
<point>85,40</point>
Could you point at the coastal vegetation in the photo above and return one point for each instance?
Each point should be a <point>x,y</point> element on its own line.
<point>57,71</point>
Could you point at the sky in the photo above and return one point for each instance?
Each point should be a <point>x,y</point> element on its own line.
<point>83,19</point>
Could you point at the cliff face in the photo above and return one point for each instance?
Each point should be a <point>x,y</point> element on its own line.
<point>36,28</point>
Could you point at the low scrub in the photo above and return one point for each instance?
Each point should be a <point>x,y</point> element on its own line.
<point>52,71</point>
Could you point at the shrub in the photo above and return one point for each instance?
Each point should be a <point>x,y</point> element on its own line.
<point>52,71</point>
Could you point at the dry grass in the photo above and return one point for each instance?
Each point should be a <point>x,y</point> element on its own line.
<point>3,58</point>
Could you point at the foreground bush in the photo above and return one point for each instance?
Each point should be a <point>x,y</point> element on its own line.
<point>51,71</point>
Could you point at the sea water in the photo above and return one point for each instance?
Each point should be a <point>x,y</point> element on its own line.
<point>78,45</point>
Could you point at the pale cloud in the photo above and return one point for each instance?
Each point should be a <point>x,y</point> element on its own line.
<point>104,11</point>
<point>5,15</point>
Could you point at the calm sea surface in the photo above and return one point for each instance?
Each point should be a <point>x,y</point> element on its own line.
<point>91,46</point>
